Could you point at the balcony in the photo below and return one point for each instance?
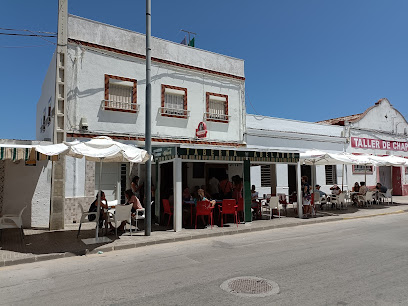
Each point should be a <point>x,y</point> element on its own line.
<point>217,117</point>
<point>174,112</point>
<point>117,106</point>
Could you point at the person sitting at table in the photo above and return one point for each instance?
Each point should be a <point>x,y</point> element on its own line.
<point>255,201</point>
<point>206,193</point>
<point>335,191</point>
<point>379,188</point>
<point>102,213</point>
<point>363,189</point>
<point>356,189</point>
<point>361,193</point>
<point>186,194</point>
<point>131,199</point>
<point>322,195</point>
<point>201,197</point>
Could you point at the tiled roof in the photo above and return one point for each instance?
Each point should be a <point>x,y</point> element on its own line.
<point>341,120</point>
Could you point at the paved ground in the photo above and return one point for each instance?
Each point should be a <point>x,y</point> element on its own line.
<point>353,262</point>
<point>44,245</point>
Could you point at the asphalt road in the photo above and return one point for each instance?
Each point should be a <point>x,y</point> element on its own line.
<point>353,262</point>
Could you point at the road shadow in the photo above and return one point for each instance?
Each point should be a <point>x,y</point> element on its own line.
<point>51,242</point>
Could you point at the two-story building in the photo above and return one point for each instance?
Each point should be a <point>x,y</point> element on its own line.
<point>198,112</point>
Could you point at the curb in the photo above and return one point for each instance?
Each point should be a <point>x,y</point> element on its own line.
<point>380,214</point>
<point>104,248</point>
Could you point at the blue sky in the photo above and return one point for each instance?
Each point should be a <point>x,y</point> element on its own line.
<point>304,59</point>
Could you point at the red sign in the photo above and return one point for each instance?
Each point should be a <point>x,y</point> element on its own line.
<point>201,131</point>
<point>367,143</point>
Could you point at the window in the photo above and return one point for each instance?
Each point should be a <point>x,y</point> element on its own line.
<point>48,120</point>
<point>216,107</point>
<point>331,174</point>
<point>361,169</point>
<point>120,94</point>
<point>265,176</point>
<point>43,118</point>
<point>174,102</point>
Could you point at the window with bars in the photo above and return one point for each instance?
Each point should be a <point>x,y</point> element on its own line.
<point>265,176</point>
<point>120,94</point>
<point>362,169</point>
<point>217,107</point>
<point>174,104</point>
<point>174,101</point>
<point>331,174</point>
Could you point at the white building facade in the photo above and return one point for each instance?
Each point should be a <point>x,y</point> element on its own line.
<point>380,130</point>
<point>105,85</point>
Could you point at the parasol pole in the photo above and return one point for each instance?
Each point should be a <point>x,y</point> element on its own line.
<point>342,179</point>
<point>99,200</point>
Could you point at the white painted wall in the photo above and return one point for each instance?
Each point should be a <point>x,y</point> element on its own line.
<point>47,93</point>
<point>75,177</point>
<point>292,134</point>
<point>107,35</point>
<point>235,169</point>
<point>86,91</point>
<point>28,186</point>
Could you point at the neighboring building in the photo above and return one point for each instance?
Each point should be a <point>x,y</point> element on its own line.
<point>24,181</point>
<point>292,135</point>
<point>380,130</point>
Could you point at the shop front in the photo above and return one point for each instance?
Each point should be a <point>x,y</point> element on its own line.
<point>181,166</point>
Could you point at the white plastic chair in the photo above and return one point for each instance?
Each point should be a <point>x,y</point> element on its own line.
<point>84,218</point>
<point>267,210</point>
<point>122,213</point>
<point>340,200</point>
<point>13,221</point>
<point>387,195</point>
<point>274,204</point>
<point>367,198</point>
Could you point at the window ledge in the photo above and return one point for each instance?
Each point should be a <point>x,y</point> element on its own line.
<point>124,107</point>
<point>175,113</point>
<point>217,117</point>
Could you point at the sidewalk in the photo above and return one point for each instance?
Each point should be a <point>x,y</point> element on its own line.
<point>42,245</point>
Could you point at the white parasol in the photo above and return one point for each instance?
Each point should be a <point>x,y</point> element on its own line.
<point>102,149</point>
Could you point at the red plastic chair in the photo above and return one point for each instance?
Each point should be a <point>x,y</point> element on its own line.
<point>229,207</point>
<point>167,209</point>
<point>240,209</point>
<point>204,208</point>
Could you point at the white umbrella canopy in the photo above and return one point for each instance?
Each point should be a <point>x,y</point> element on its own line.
<point>97,149</point>
<point>102,149</point>
<point>316,157</point>
<point>389,160</point>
